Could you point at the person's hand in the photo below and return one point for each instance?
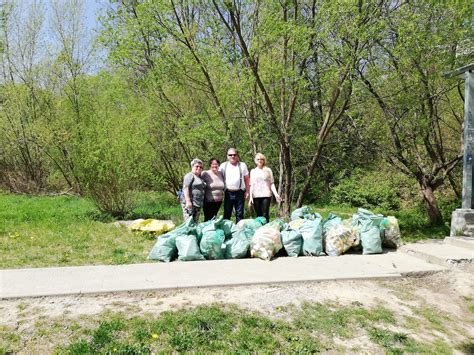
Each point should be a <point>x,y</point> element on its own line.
<point>246,195</point>
<point>279,199</point>
<point>189,205</point>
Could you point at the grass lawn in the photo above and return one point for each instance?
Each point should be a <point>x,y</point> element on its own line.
<point>308,328</point>
<point>66,230</point>
<point>38,231</point>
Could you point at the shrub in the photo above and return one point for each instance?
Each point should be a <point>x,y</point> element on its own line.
<point>115,155</point>
<point>368,189</point>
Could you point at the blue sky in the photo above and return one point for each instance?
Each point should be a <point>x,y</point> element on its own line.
<point>92,9</point>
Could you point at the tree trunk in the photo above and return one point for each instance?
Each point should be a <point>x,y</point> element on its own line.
<point>285,182</point>
<point>434,214</point>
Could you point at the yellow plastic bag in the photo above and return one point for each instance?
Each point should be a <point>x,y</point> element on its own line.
<point>154,226</point>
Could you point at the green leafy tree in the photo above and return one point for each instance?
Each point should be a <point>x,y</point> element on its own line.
<point>420,112</point>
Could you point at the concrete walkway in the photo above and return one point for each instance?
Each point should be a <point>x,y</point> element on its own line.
<point>157,276</point>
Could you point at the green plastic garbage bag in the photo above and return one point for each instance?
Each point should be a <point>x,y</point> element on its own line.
<point>212,244</point>
<point>292,242</point>
<point>367,224</point>
<point>300,212</point>
<point>331,222</point>
<point>165,247</point>
<point>188,248</point>
<point>391,237</point>
<point>277,224</point>
<point>370,240</point>
<point>296,224</point>
<point>249,226</point>
<point>365,217</point>
<point>265,243</point>
<point>311,230</point>
<point>313,216</point>
<point>203,225</point>
<point>237,247</point>
<point>229,228</point>
<point>212,224</point>
<point>252,223</point>
<point>219,222</point>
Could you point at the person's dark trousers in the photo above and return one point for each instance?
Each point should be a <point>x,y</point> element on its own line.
<point>262,207</point>
<point>211,209</point>
<point>234,199</point>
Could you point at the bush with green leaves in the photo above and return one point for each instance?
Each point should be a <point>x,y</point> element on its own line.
<point>116,156</point>
<point>368,189</point>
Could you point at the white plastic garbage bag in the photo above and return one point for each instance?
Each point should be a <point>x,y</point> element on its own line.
<point>265,243</point>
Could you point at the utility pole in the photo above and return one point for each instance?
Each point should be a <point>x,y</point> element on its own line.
<point>462,220</point>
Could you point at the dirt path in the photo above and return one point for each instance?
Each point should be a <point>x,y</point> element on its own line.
<point>446,297</point>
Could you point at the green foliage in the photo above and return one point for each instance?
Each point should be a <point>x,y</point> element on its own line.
<point>415,225</point>
<point>300,85</point>
<point>368,189</point>
<point>156,205</point>
<point>403,91</point>
<point>116,157</point>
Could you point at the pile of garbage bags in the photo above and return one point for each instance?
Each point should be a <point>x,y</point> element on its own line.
<point>306,234</point>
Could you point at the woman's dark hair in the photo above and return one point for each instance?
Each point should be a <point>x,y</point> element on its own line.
<point>212,159</point>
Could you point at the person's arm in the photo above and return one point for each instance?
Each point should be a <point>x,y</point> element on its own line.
<point>187,197</point>
<point>187,194</point>
<point>247,186</point>
<point>250,191</point>
<point>275,193</point>
<point>273,188</point>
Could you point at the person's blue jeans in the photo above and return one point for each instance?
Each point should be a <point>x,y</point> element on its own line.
<point>234,199</point>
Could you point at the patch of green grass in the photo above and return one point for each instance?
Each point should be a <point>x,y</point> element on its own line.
<point>413,323</point>
<point>471,308</point>
<point>387,339</point>
<point>9,340</point>
<point>206,329</point>
<point>105,333</point>
<point>22,306</point>
<point>156,205</point>
<point>470,303</point>
<point>467,347</point>
<point>315,316</point>
<point>218,328</point>
<point>434,317</point>
<point>401,343</point>
<point>38,231</point>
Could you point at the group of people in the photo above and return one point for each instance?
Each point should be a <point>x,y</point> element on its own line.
<point>231,183</point>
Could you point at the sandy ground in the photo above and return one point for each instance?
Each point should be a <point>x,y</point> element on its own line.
<point>447,293</point>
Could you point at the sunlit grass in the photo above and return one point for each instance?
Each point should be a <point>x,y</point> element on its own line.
<point>40,231</point>
<point>66,230</point>
<point>311,327</point>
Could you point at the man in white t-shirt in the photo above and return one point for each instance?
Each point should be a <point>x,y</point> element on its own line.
<point>236,179</point>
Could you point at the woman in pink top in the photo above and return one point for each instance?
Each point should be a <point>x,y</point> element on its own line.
<point>261,187</point>
<point>214,190</point>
